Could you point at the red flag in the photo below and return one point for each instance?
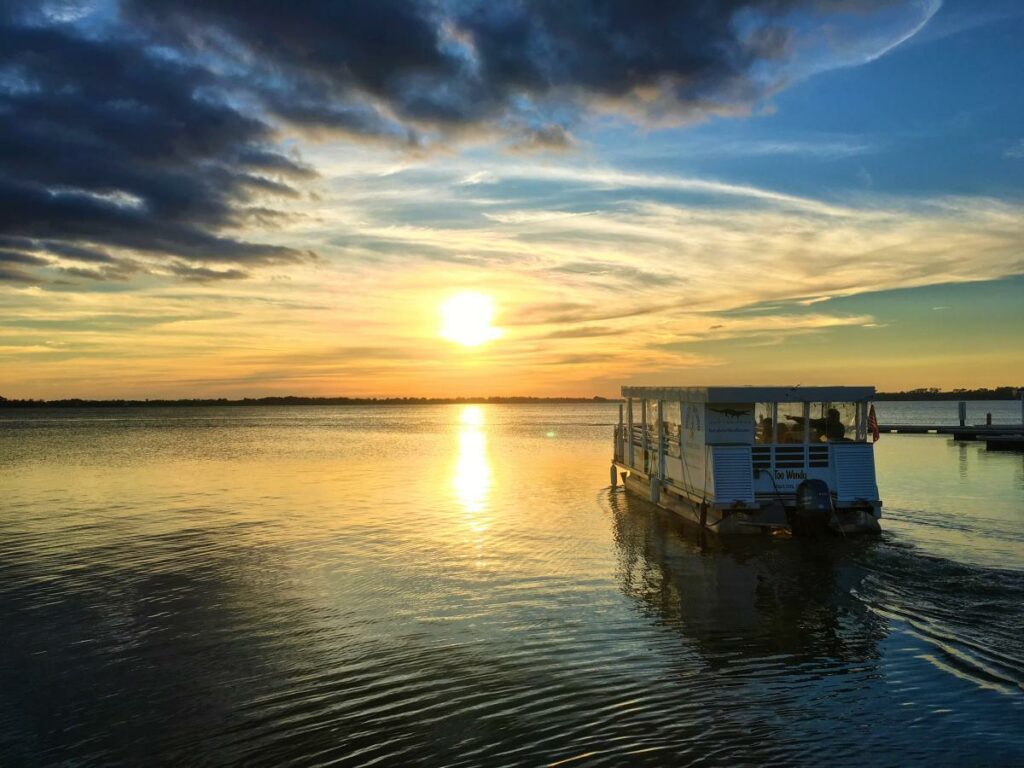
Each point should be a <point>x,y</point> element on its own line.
<point>873,424</point>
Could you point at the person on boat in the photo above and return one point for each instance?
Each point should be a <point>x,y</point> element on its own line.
<point>767,431</point>
<point>791,433</point>
<point>830,428</point>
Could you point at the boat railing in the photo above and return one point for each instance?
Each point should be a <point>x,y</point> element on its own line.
<point>673,447</point>
<point>784,456</point>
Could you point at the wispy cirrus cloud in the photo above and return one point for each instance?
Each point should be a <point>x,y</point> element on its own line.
<point>1015,151</point>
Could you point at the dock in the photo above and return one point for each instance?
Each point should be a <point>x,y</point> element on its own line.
<point>973,432</point>
<point>997,437</point>
<point>1005,443</point>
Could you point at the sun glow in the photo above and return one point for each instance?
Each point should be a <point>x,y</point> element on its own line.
<point>466,319</point>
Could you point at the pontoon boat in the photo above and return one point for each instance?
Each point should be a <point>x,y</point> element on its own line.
<point>752,459</point>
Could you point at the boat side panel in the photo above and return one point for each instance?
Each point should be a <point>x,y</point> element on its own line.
<point>714,519</point>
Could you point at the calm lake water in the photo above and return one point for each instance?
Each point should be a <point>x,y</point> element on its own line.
<point>458,586</point>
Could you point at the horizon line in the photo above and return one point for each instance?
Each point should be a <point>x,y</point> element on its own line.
<point>1005,392</point>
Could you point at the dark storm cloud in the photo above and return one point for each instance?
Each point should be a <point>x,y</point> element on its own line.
<point>15,275</point>
<point>12,264</point>
<point>101,266</point>
<point>315,63</point>
<point>119,271</point>
<point>23,259</point>
<point>205,274</point>
<point>153,126</point>
<point>103,144</point>
<point>76,252</point>
<point>391,68</point>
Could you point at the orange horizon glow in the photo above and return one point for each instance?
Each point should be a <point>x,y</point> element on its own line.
<point>571,306</point>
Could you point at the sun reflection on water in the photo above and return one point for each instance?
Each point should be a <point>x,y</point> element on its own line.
<point>472,479</point>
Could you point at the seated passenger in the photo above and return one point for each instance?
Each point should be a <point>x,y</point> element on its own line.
<point>791,433</point>
<point>831,428</point>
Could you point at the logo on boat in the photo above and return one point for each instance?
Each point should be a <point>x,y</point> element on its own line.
<point>790,474</point>
<point>732,413</point>
<point>732,423</point>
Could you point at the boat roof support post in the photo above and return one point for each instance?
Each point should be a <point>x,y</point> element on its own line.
<point>643,438</point>
<point>661,439</point>
<point>629,421</point>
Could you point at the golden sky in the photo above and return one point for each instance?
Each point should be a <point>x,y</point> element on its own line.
<point>751,287</point>
<point>847,209</point>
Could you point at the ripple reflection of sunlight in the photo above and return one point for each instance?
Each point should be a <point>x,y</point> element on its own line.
<point>472,480</point>
<point>472,416</point>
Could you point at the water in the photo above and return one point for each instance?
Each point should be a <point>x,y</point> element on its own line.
<point>445,585</point>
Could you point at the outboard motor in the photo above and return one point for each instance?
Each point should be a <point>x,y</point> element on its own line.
<point>813,510</point>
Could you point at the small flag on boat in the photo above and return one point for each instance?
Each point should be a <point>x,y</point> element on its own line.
<point>873,424</point>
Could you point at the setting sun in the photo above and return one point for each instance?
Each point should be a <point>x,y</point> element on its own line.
<point>466,319</point>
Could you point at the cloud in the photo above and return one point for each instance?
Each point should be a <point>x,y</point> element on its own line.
<point>1015,151</point>
<point>718,239</point>
<point>615,271</point>
<point>581,332</point>
<point>655,250</point>
<point>409,70</point>
<point>106,146</point>
<point>819,148</point>
<point>153,129</point>
<point>23,259</point>
<point>545,138</point>
<point>205,274</point>
<point>956,18</point>
<point>15,275</point>
<point>120,271</point>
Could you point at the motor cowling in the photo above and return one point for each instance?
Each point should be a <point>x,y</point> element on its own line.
<point>813,511</point>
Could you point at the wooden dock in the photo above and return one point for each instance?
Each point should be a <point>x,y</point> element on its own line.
<point>972,432</point>
<point>1005,443</point>
<point>997,437</point>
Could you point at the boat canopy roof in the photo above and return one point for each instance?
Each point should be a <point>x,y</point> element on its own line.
<point>752,394</point>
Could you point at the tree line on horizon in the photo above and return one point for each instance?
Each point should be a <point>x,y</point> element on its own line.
<point>929,393</point>
<point>294,400</point>
<point>933,393</point>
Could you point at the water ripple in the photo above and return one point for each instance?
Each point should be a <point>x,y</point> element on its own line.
<point>312,588</point>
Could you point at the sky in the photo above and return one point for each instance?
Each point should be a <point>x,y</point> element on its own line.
<point>218,198</point>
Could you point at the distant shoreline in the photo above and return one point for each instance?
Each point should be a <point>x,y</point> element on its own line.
<point>277,401</point>
<point>999,393</point>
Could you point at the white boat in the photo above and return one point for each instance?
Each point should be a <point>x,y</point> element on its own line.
<point>752,459</point>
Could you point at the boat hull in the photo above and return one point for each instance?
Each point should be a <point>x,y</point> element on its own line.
<point>766,519</point>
